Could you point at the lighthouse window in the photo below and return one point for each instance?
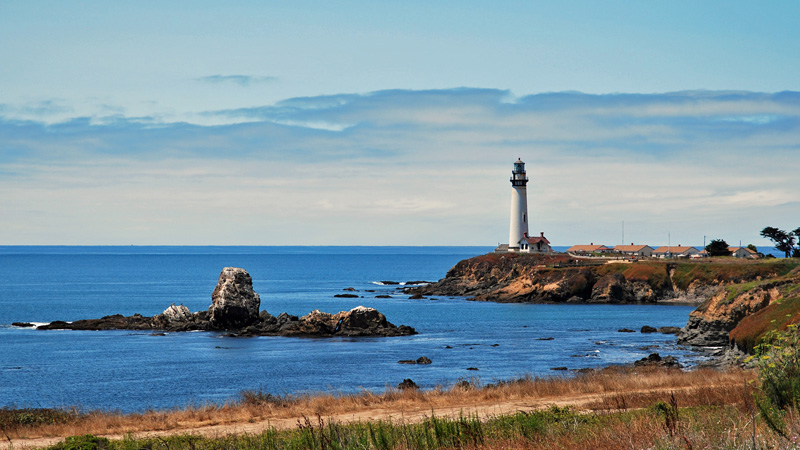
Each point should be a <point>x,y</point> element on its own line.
<point>524,217</point>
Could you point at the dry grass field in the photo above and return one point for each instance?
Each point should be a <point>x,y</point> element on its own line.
<point>599,394</point>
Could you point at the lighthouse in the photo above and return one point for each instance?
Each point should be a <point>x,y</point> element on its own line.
<point>519,206</point>
<point>518,238</point>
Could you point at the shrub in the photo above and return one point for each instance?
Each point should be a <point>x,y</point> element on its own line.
<point>11,419</point>
<point>85,442</point>
<point>778,362</point>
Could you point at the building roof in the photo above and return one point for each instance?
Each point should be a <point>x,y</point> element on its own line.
<point>674,249</point>
<point>587,248</point>
<point>535,239</point>
<point>736,249</point>
<point>631,248</point>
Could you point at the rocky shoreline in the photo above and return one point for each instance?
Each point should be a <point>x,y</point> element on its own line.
<point>235,310</point>
<point>732,295</point>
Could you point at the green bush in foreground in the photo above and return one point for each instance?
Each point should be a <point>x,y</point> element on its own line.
<point>778,362</point>
<point>85,442</point>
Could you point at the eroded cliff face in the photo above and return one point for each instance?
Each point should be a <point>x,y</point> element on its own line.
<point>554,279</point>
<point>711,323</point>
<point>741,313</point>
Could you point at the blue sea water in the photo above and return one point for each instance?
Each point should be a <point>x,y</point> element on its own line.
<point>137,371</point>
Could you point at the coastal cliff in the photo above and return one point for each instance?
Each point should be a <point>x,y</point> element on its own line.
<point>740,314</point>
<point>559,278</point>
<point>739,300</point>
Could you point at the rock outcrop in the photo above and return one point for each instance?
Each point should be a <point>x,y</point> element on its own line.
<point>560,278</point>
<point>711,324</point>
<point>234,304</point>
<point>175,315</point>
<point>235,309</point>
<point>553,278</point>
<point>654,359</point>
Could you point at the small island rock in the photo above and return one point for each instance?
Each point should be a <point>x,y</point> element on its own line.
<point>234,304</point>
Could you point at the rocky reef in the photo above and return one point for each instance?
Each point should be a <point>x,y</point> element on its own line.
<point>235,309</point>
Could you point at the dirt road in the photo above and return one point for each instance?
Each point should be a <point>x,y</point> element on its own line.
<point>395,414</point>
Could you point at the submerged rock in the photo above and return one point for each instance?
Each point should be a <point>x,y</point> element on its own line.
<point>654,359</point>
<point>408,383</point>
<point>669,330</point>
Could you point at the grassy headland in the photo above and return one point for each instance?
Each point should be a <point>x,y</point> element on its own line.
<point>557,278</point>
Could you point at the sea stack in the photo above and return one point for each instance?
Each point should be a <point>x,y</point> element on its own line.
<point>234,304</point>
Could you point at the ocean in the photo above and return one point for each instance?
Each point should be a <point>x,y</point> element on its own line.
<point>137,371</point>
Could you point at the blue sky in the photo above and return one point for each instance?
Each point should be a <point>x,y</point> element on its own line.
<point>371,123</point>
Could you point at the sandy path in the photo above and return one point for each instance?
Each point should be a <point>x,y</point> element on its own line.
<point>396,414</point>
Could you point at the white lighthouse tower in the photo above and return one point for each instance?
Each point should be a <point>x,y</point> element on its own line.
<point>518,238</point>
<point>519,206</point>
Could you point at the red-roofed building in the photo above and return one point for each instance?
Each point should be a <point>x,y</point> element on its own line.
<point>634,250</point>
<point>675,251</point>
<point>743,252</point>
<point>591,248</point>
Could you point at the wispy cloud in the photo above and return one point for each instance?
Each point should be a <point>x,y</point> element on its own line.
<point>414,167</point>
<point>36,110</point>
<point>241,80</point>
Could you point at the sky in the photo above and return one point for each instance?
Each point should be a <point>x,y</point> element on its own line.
<point>396,123</point>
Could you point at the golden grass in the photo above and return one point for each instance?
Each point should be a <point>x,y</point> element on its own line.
<point>608,389</point>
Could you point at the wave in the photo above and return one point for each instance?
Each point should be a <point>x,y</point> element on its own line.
<point>401,283</point>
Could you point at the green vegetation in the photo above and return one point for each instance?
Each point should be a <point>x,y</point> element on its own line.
<point>85,442</point>
<point>14,418</point>
<point>784,241</point>
<point>738,289</point>
<point>778,362</point>
<point>730,272</point>
<point>718,247</point>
